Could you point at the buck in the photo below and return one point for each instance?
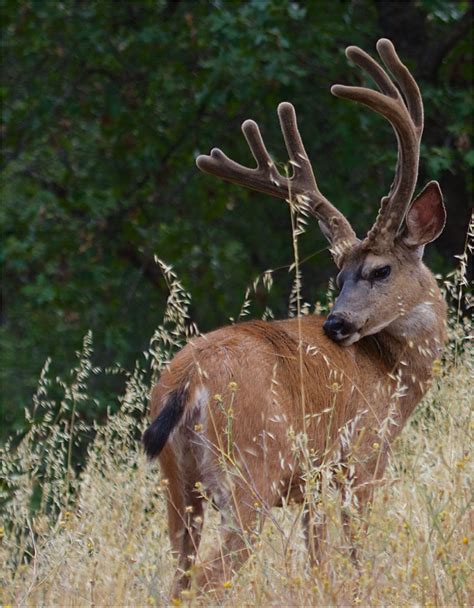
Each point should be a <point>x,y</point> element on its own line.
<point>229,406</point>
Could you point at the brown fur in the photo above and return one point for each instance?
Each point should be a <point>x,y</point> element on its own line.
<point>334,387</point>
<point>254,407</point>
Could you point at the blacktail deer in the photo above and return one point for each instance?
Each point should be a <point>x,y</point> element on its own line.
<point>232,405</point>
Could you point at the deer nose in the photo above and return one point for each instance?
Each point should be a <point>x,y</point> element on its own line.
<point>337,327</point>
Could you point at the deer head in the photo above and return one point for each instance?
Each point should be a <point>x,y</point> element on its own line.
<point>381,278</point>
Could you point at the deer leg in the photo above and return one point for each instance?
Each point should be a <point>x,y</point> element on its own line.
<point>357,495</point>
<point>353,533</point>
<point>185,535</point>
<point>185,519</point>
<point>314,526</point>
<point>237,537</point>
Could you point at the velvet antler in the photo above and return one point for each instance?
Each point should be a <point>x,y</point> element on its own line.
<point>266,178</point>
<point>403,108</point>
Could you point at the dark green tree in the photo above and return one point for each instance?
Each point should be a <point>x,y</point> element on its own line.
<point>105,106</point>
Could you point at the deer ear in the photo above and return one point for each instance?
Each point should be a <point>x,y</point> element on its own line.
<point>426,217</point>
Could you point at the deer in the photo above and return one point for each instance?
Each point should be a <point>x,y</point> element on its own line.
<point>227,408</point>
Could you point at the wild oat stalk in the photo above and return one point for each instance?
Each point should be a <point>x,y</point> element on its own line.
<point>100,537</point>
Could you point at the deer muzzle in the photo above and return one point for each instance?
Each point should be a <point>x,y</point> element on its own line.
<point>339,328</point>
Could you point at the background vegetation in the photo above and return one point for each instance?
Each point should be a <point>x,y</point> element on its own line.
<point>107,104</point>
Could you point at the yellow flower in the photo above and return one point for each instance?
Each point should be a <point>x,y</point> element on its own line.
<point>233,386</point>
<point>175,601</point>
<point>228,585</point>
<point>436,367</point>
<point>460,464</point>
<point>187,594</point>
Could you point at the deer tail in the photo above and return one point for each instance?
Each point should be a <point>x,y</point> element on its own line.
<point>156,435</point>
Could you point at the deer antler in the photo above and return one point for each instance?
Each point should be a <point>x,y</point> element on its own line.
<point>404,110</point>
<point>266,178</point>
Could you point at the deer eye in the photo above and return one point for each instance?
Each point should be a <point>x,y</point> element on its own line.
<point>380,273</point>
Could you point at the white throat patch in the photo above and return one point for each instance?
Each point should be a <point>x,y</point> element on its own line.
<point>419,320</point>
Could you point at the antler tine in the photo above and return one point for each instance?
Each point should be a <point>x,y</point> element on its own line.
<point>342,234</point>
<point>302,170</point>
<point>379,75</point>
<point>405,80</point>
<point>266,178</point>
<point>404,110</point>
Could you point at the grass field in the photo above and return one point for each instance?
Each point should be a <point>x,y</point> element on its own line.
<point>99,538</point>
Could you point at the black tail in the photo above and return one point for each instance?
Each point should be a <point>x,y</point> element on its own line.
<point>156,435</point>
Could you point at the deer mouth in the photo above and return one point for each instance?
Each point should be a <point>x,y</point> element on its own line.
<point>340,330</point>
<point>349,340</point>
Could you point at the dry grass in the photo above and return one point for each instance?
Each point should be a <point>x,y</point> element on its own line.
<point>100,538</point>
<point>110,546</point>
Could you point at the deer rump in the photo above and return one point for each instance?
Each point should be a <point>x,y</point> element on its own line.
<point>227,415</point>
<point>244,363</point>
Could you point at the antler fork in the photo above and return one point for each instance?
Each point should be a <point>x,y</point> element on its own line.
<point>266,178</point>
<point>404,110</point>
<point>402,107</point>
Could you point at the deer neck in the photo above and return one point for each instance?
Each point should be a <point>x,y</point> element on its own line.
<point>414,341</point>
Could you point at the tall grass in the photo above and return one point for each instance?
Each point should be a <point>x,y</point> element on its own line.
<point>99,537</point>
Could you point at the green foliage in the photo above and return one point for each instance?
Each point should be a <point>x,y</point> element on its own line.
<point>105,107</point>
